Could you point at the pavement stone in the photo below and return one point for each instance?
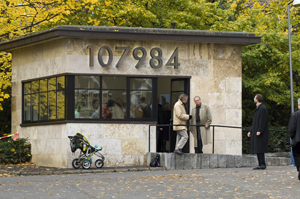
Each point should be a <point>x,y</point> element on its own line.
<point>225,183</point>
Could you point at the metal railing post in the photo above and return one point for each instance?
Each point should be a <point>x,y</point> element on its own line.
<point>213,144</point>
<point>149,138</point>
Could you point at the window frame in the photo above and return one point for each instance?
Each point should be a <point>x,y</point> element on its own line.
<point>31,121</point>
<point>70,101</point>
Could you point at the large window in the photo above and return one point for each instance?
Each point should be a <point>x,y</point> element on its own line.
<point>44,99</point>
<point>90,98</point>
<point>122,98</point>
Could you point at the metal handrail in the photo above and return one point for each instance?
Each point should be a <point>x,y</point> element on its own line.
<point>213,126</point>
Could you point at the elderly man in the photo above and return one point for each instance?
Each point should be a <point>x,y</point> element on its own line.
<point>179,118</point>
<point>201,116</point>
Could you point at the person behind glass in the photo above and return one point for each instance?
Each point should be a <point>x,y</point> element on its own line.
<point>259,132</point>
<point>166,120</point>
<point>180,118</point>
<point>117,110</point>
<point>142,110</point>
<point>294,130</point>
<point>107,109</point>
<point>159,129</point>
<point>95,113</point>
<point>201,116</point>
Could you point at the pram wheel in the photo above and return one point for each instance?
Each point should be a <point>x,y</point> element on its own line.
<point>76,163</point>
<point>99,163</point>
<point>86,164</point>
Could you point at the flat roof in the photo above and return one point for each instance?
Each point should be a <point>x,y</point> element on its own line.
<point>128,33</point>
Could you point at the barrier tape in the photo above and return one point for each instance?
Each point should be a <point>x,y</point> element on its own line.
<point>16,136</point>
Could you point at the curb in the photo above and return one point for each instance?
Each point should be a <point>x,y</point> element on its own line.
<point>81,171</point>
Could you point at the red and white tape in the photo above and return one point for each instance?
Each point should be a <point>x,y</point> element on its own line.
<point>14,138</point>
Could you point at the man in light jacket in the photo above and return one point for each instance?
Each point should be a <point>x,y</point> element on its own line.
<point>201,116</point>
<point>179,118</point>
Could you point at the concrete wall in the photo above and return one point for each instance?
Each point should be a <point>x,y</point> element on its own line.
<point>215,71</point>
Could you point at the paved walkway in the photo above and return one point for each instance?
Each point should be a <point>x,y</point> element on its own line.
<point>274,182</point>
<point>31,169</point>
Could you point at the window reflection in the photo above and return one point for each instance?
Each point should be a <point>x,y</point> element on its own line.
<point>87,103</point>
<point>140,84</point>
<point>44,99</point>
<point>87,82</point>
<point>27,107</point>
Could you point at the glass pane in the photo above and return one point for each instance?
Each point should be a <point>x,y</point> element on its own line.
<point>61,82</point>
<point>113,104</point>
<point>27,88</point>
<point>178,85</point>
<point>52,105</point>
<point>140,84</point>
<point>43,85</point>
<point>35,86</point>
<point>87,103</point>
<point>43,106</point>
<point>140,104</point>
<point>35,107</point>
<point>27,108</point>
<point>60,104</point>
<point>113,82</point>
<point>52,84</point>
<point>87,82</point>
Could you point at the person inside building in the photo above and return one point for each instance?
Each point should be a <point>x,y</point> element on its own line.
<point>117,110</point>
<point>96,107</point>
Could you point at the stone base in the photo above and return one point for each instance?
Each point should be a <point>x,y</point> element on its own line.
<point>173,161</point>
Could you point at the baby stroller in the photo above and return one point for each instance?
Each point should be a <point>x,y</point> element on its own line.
<point>86,151</point>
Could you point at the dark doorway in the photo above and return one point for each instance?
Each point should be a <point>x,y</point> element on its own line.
<point>168,92</point>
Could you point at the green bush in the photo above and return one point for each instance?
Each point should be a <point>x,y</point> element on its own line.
<point>14,152</point>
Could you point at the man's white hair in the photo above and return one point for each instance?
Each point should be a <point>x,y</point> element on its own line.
<point>299,101</point>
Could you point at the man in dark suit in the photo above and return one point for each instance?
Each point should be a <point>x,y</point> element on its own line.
<point>294,130</point>
<point>259,132</point>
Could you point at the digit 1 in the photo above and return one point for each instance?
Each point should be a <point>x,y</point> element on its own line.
<point>126,50</point>
<point>142,58</point>
<point>91,53</point>
<point>174,57</point>
<point>110,56</point>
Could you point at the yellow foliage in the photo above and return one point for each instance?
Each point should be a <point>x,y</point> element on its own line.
<point>12,150</point>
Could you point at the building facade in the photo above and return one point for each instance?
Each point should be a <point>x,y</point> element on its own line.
<point>107,82</point>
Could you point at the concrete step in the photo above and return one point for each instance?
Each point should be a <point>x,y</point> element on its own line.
<point>209,161</point>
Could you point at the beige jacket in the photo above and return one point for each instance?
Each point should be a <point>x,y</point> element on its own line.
<point>179,116</point>
<point>205,119</point>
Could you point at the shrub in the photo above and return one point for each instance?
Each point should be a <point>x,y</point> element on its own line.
<point>15,152</point>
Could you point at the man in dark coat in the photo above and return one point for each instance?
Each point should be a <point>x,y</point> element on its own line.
<point>294,130</point>
<point>259,132</point>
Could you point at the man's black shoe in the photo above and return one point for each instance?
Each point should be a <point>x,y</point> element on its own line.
<point>259,167</point>
<point>299,176</point>
<point>179,152</point>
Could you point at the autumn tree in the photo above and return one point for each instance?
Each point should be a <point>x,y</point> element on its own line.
<point>265,65</point>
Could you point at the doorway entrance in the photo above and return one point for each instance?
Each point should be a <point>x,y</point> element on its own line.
<point>168,91</point>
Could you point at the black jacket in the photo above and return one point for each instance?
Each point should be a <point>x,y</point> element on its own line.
<point>294,130</point>
<point>259,144</point>
<point>294,127</point>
